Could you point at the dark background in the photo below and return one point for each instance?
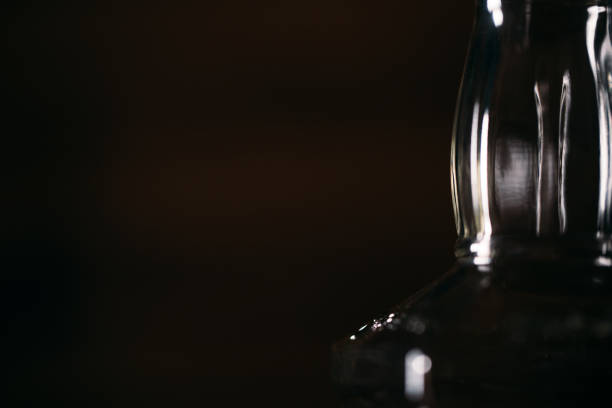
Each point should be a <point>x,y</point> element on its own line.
<point>199,198</point>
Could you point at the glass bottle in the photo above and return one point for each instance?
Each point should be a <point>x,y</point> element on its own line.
<point>524,318</point>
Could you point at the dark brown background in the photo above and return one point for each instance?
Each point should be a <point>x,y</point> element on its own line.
<point>200,197</point>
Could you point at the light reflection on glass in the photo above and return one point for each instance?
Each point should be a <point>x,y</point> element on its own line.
<point>603,261</point>
<point>603,104</point>
<point>481,251</point>
<point>540,168</point>
<point>494,7</point>
<point>566,101</point>
<point>484,174</point>
<point>417,365</point>
<point>479,177</point>
<point>376,325</point>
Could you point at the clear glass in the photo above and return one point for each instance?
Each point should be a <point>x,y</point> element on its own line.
<point>524,319</point>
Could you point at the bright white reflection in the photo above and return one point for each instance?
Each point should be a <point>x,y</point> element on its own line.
<point>376,325</point>
<point>362,328</point>
<point>603,103</point>
<point>474,176</point>
<point>498,17</point>
<point>566,101</point>
<point>353,337</point>
<point>421,364</point>
<point>479,177</point>
<point>484,174</point>
<point>481,251</point>
<point>494,7</point>
<point>482,260</point>
<point>479,166</point>
<point>493,4</point>
<point>417,365</point>
<point>540,113</point>
<point>603,261</point>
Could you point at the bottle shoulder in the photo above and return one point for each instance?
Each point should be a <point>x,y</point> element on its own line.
<point>497,328</point>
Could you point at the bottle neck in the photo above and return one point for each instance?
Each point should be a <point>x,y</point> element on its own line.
<point>532,143</point>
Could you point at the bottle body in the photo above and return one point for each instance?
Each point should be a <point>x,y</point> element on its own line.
<point>525,316</point>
